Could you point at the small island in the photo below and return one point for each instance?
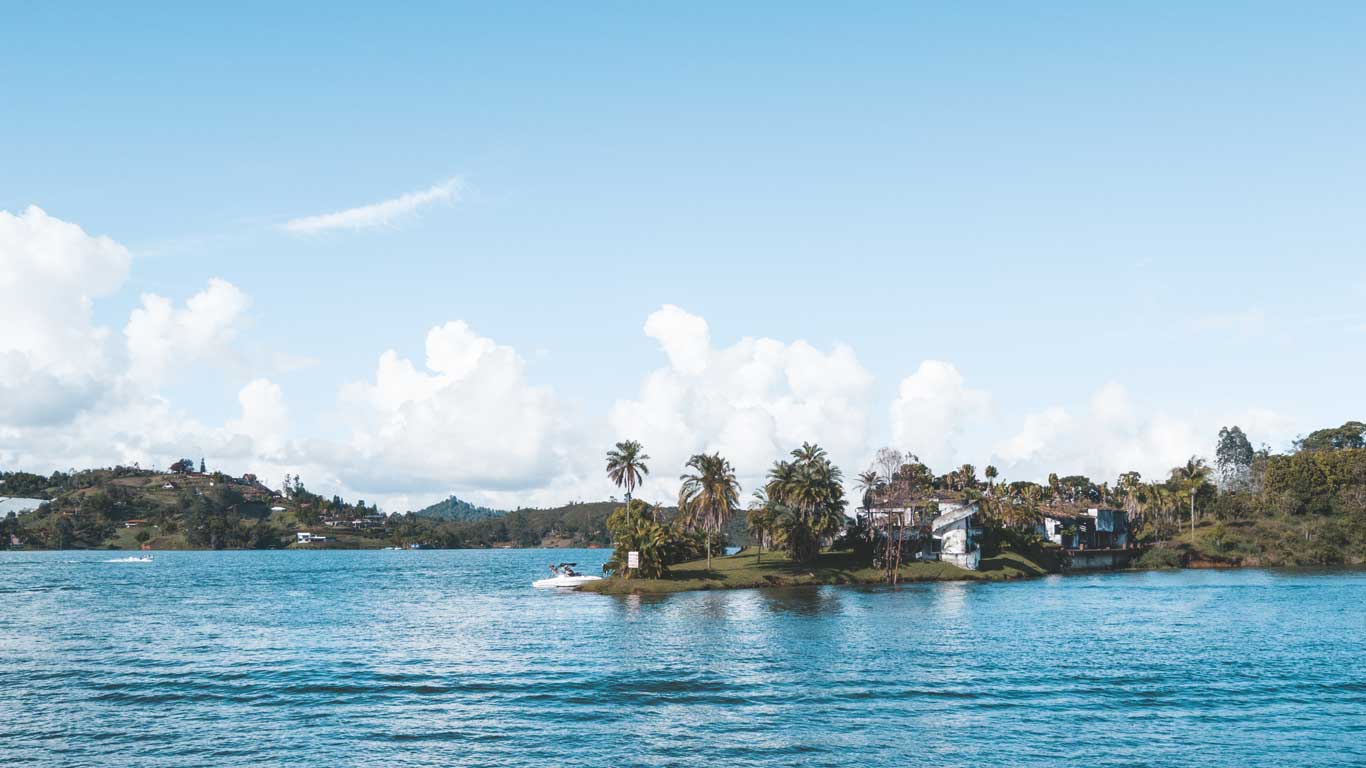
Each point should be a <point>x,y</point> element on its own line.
<point>750,569</point>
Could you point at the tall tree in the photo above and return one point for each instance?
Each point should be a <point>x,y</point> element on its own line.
<point>709,494</point>
<point>967,477</point>
<point>1233,456</point>
<point>867,483</point>
<point>626,467</point>
<point>759,521</point>
<point>1349,435</point>
<point>810,492</point>
<point>991,474</point>
<point>1190,477</point>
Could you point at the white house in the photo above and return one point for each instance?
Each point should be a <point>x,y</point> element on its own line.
<point>1086,527</point>
<point>1111,528</point>
<point>18,506</point>
<point>304,537</point>
<point>1056,526</point>
<point>955,533</point>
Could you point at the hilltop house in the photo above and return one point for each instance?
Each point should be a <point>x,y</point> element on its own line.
<point>18,506</point>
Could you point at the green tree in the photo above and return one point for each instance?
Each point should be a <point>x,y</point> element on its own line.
<point>810,493</point>
<point>709,495</point>
<point>759,520</point>
<point>1349,435</point>
<point>626,467</point>
<point>1190,478</point>
<point>1233,455</point>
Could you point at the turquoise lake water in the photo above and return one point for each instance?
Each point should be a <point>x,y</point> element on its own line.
<point>451,658</point>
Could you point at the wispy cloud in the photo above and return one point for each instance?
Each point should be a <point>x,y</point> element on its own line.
<point>380,214</point>
<point>1248,322</point>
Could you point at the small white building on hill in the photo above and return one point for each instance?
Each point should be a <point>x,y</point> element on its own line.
<point>18,506</point>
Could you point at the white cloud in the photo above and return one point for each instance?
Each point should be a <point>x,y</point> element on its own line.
<point>753,401</point>
<point>53,359</point>
<point>380,214</point>
<point>264,419</point>
<point>469,420</point>
<point>931,411</point>
<point>1248,322</point>
<point>70,395</point>
<point>1108,438</point>
<point>158,335</point>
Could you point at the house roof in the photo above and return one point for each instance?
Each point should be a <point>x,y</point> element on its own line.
<point>17,505</point>
<point>953,516</point>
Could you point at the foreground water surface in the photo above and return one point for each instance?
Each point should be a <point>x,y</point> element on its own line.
<point>450,658</point>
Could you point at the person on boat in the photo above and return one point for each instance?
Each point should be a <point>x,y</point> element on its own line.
<point>569,570</point>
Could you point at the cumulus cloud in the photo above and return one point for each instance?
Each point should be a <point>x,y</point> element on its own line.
<point>70,395</point>
<point>158,335</point>
<point>1108,437</point>
<point>932,409</point>
<point>467,419</point>
<point>381,214</point>
<point>753,401</point>
<point>264,419</point>
<point>53,358</point>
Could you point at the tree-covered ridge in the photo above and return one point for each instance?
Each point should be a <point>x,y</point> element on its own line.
<point>455,509</point>
<point>128,507</point>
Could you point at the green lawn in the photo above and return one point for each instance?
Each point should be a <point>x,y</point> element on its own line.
<point>744,570</point>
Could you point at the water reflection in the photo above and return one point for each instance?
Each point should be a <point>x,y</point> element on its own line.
<point>802,601</point>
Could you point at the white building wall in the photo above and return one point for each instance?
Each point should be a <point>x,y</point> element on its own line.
<point>956,548</point>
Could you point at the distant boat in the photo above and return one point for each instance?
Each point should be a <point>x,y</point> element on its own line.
<point>565,576</point>
<point>142,559</point>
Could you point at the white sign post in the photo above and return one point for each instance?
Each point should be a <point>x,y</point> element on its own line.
<point>633,560</point>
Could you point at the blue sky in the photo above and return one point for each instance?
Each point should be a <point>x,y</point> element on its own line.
<point>1053,201</point>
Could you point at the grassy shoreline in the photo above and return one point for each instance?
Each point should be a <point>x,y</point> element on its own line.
<point>744,570</point>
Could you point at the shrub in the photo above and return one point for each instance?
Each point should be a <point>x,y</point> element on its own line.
<point>1160,557</point>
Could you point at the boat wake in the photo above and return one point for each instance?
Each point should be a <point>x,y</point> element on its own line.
<point>147,559</point>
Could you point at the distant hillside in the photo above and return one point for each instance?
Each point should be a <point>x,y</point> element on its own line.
<point>456,510</point>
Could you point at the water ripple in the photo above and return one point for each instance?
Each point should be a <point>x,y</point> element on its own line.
<point>448,658</point>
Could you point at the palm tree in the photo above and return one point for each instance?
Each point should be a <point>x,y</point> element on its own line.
<point>626,467</point>
<point>810,493</point>
<point>709,495</point>
<point>1055,486</point>
<point>867,482</point>
<point>808,453</point>
<point>759,521</point>
<point>1028,512</point>
<point>991,473</point>
<point>967,477</point>
<point>1192,476</point>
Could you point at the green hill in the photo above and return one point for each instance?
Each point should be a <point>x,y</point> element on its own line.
<point>456,510</point>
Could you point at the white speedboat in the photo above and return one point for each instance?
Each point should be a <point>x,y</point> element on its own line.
<point>565,576</point>
<point>142,559</point>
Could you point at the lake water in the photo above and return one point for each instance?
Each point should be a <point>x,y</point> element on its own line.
<point>451,658</point>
